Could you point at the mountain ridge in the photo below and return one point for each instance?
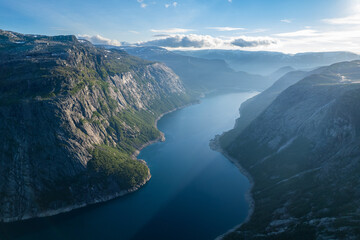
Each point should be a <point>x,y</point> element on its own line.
<point>71,116</point>
<point>201,74</point>
<point>265,63</point>
<point>302,152</point>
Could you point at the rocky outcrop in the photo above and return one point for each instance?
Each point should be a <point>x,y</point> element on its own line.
<point>71,116</point>
<point>303,154</point>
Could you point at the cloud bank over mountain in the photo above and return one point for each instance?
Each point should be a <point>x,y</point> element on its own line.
<point>207,41</point>
<point>97,39</point>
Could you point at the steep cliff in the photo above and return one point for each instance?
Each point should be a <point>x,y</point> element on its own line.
<point>303,154</point>
<point>71,116</point>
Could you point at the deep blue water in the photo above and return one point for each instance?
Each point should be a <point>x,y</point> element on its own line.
<point>194,193</point>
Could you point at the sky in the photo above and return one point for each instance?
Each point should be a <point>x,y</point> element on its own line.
<point>289,26</point>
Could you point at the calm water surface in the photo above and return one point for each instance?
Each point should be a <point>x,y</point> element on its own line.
<point>194,193</point>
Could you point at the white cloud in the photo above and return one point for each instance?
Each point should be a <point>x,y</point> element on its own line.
<point>286,20</point>
<point>300,33</point>
<point>335,39</point>
<point>338,34</point>
<point>161,35</point>
<point>230,1</point>
<point>353,17</point>
<point>174,4</point>
<point>185,41</point>
<point>224,29</point>
<point>134,32</point>
<point>206,41</point>
<point>258,30</point>
<point>171,30</point>
<point>349,20</point>
<point>97,39</point>
<point>253,42</point>
<point>142,4</point>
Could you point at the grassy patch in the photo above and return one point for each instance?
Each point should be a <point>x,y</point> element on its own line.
<point>110,162</point>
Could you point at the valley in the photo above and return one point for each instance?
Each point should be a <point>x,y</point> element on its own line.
<point>141,142</point>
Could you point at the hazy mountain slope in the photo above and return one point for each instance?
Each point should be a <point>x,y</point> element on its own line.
<point>281,72</point>
<point>265,63</point>
<point>253,107</point>
<point>202,74</point>
<point>304,156</point>
<point>71,116</point>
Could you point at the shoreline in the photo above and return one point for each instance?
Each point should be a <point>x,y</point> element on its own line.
<point>105,198</point>
<point>67,209</point>
<point>121,193</point>
<point>161,138</point>
<point>215,145</point>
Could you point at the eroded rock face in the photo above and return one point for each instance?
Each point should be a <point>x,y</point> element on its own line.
<point>59,99</point>
<point>303,153</point>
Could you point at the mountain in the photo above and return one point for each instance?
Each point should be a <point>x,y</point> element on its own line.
<point>303,155</point>
<point>202,74</point>
<point>281,72</point>
<point>71,117</point>
<point>265,63</point>
<point>253,107</point>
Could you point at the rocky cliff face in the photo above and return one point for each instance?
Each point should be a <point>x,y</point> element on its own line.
<point>303,154</point>
<point>71,115</point>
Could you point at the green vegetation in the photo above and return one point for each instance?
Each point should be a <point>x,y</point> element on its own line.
<point>110,162</point>
<point>66,87</point>
<point>77,88</point>
<point>133,129</point>
<point>163,105</point>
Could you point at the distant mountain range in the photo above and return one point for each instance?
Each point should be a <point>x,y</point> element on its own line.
<point>74,115</point>
<point>265,63</point>
<point>301,147</point>
<point>202,74</point>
